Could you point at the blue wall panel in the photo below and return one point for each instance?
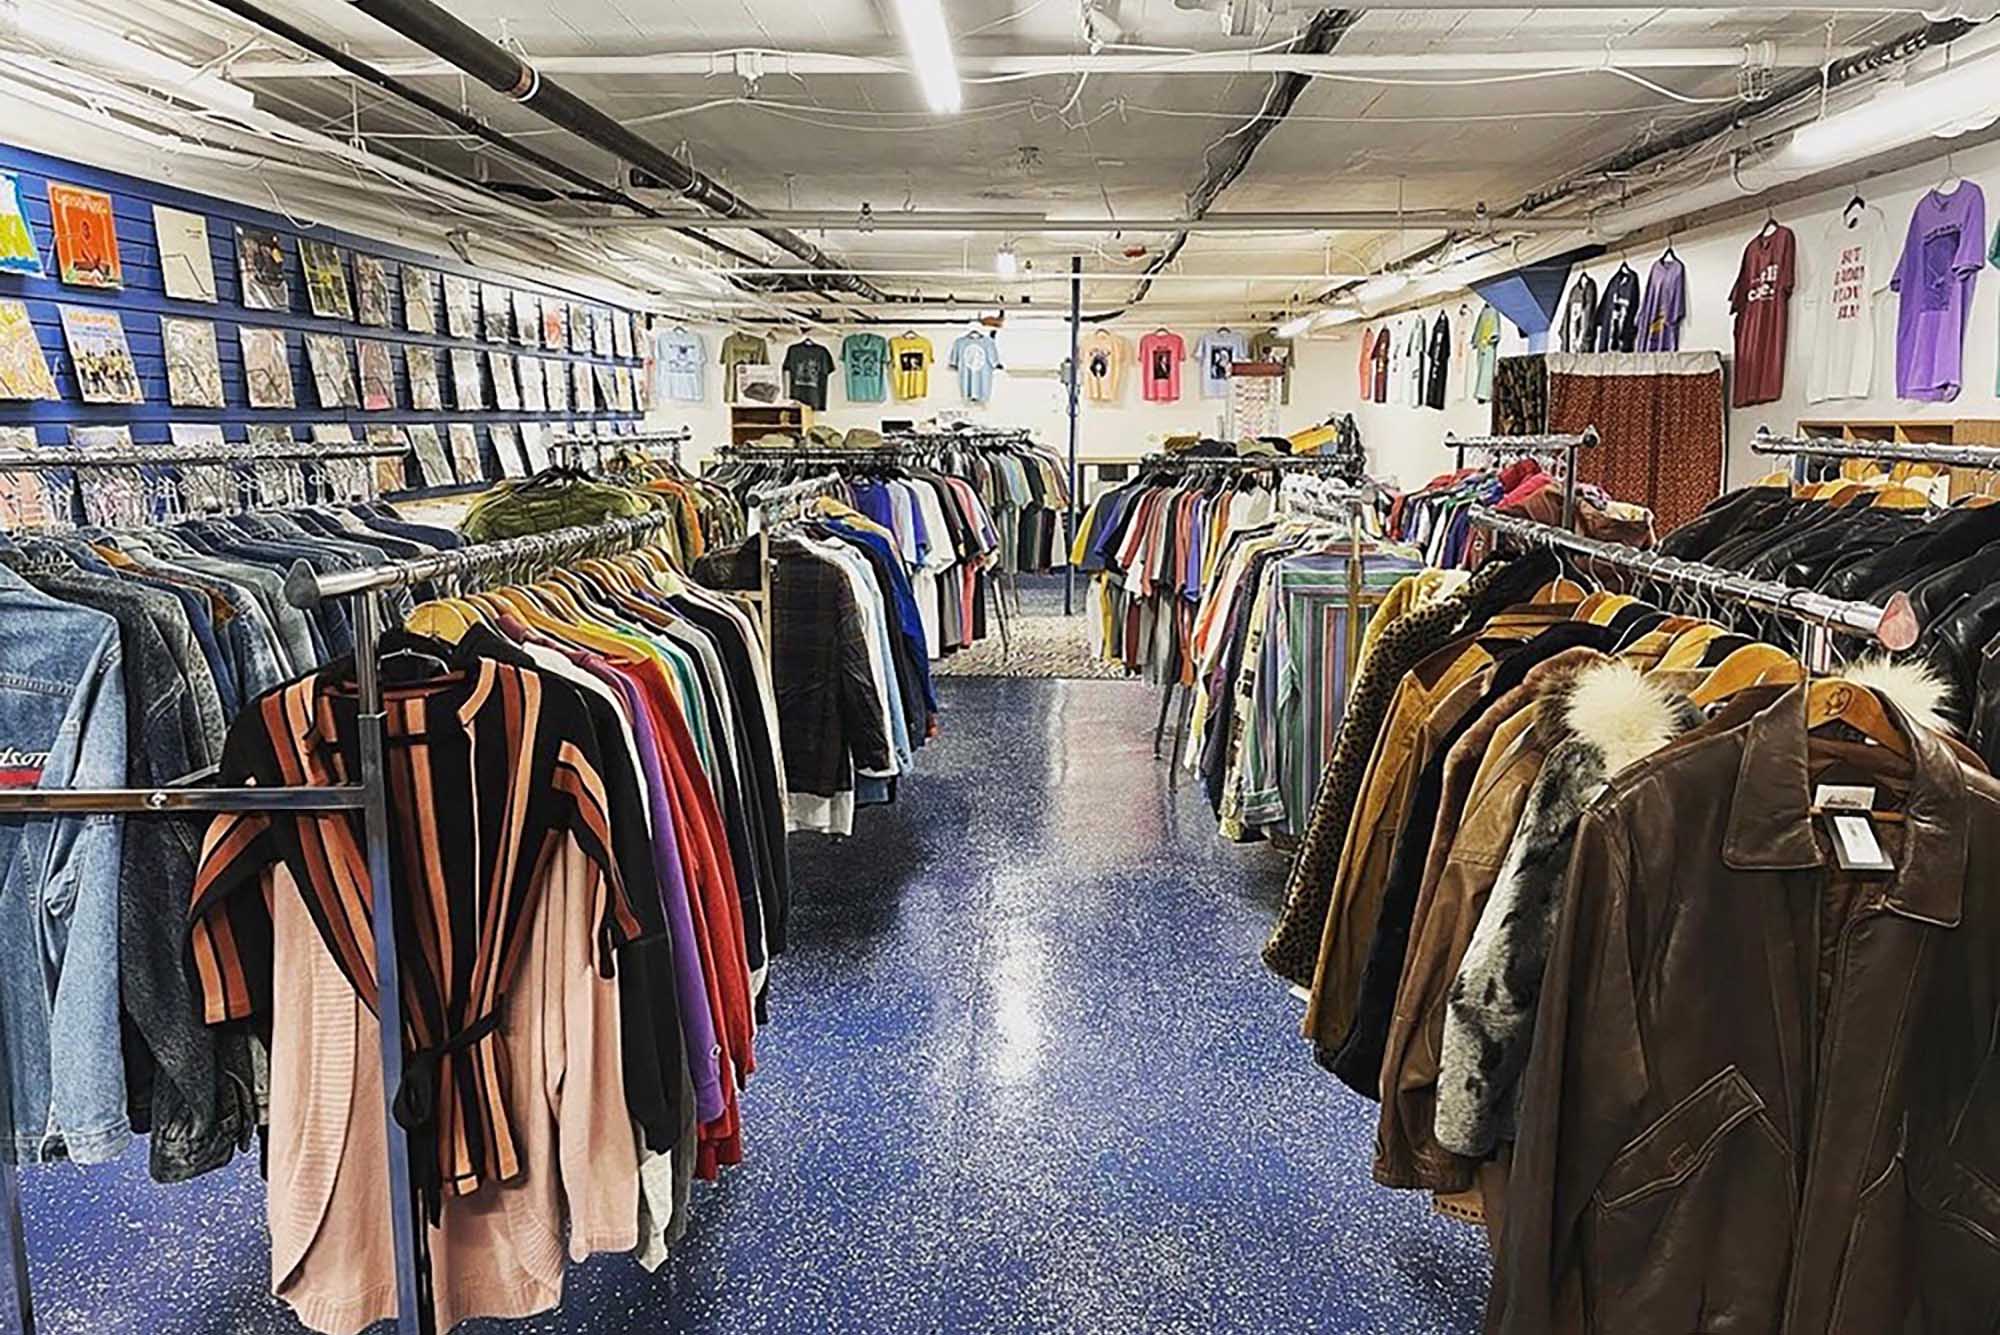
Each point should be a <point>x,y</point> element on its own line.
<point>143,300</point>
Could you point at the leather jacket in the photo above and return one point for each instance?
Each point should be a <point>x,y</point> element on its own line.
<point>1765,1093</point>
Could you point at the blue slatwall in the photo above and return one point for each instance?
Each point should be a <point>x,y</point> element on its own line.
<point>143,299</point>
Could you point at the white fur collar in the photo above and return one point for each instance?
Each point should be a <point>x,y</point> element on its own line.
<point>1623,713</point>
<point>1912,686</point>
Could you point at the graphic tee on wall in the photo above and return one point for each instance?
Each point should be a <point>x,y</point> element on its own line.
<point>1160,357</point>
<point>912,355</point>
<point>1934,279</point>
<point>867,359</point>
<point>1104,358</point>
<point>975,356</point>
<point>1856,255</point>
<point>1761,303</point>
<point>678,363</point>
<point>1218,351</point>
<point>808,366</point>
<point>1665,306</point>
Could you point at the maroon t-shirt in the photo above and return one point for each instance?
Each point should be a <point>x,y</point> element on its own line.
<point>1761,301</point>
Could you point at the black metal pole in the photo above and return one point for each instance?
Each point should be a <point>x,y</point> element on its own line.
<point>1075,370</point>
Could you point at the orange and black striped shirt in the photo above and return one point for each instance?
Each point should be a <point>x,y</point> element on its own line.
<point>489,767</point>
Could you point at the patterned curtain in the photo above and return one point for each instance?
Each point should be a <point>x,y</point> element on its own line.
<point>1661,421</point>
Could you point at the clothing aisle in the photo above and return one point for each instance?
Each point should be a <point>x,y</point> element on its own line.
<point>1026,1075</point>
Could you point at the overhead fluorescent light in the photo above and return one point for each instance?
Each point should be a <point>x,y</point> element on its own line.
<point>1946,105</point>
<point>1345,315</point>
<point>1005,262</point>
<point>1298,324</point>
<point>928,41</point>
<point>1383,285</point>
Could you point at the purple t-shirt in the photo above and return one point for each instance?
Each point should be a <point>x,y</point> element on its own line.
<point>1665,306</point>
<point>1935,278</point>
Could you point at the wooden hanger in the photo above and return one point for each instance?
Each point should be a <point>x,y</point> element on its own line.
<point>1561,589</point>
<point>1602,614</point>
<point>1593,600</point>
<point>1836,701</point>
<point>1687,648</point>
<point>1753,665</point>
<point>1900,498</point>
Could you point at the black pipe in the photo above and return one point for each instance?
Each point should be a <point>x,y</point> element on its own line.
<point>440,33</point>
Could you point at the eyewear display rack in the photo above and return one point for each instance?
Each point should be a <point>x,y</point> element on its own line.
<point>1892,625</point>
<point>1560,449</point>
<point>304,588</point>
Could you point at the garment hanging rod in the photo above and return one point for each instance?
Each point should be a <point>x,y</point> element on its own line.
<point>1913,452</point>
<point>1893,626</point>
<point>71,457</point>
<point>1585,439</point>
<point>91,801</point>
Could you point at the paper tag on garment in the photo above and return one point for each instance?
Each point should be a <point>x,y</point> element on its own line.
<point>1855,846</point>
<point>1844,797</point>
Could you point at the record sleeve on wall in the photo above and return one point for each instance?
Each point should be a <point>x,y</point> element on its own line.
<point>267,369</point>
<point>534,386</point>
<point>494,309</point>
<point>465,452</point>
<point>419,303</point>
<point>555,324</point>
<point>607,386</point>
<point>600,331</point>
<point>194,365</point>
<point>507,449</point>
<point>432,465</point>
<point>555,374</point>
<point>265,437</point>
<point>326,280</point>
<point>24,369</point>
<point>378,375</point>
<point>100,356</point>
<point>18,251</point>
<point>506,393</point>
<point>86,237</point>
<point>527,319</point>
<point>461,307</point>
<point>581,387</point>
<point>425,395</point>
<point>260,266</point>
<point>371,289</point>
<point>535,445</point>
<point>187,265</point>
<point>579,328</point>
<point>621,334</point>
<point>465,388</point>
<point>333,371</point>
<point>391,470</point>
<point>621,381</point>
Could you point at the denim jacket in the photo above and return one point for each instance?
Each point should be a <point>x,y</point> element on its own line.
<point>62,725</point>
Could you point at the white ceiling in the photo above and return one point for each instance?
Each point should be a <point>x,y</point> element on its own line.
<point>1131,142</point>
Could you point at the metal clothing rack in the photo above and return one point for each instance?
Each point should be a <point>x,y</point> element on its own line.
<point>305,588</point>
<point>1911,452</point>
<point>1892,625</point>
<point>1546,446</point>
<point>570,449</point>
<point>70,456</point>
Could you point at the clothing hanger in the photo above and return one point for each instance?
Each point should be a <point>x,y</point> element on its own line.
<point>1832,700</point>
<point>1753,665</point>
<point>1847,212</point>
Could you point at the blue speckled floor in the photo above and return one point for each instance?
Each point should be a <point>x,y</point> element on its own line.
<point>1026,1075</point>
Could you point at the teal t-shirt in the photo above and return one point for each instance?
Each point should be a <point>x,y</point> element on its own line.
<point>866,357</point>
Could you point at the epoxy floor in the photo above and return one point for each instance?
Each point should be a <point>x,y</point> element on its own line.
<point>1025,1074</point>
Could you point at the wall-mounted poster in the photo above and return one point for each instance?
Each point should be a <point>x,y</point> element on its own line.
<point>507,449</point>
<point>419,305</point>
<point>494,308</point>
<point>534,387</point>
<point>18,251</point>
<point>260,265</point>
<point>371,289</point>
<point>465,389</point>
<point>100,356</point>
<point>506,394</point>
<point>390,473</point>
<point>581,389</point>
<point>555,324</point>
<point>579,328</point>
<point>24,370</point>
<point>555,373</point>
<point>187,265</point>
<point>535,445</point>
<point>465,452</point>
<point>271,437</point>
<point>621,335</point>
<point>194,366</point>
<point>621,381</point>
<point>333,371</point>
<point>432,465</point>
<point>600,332</point>
<point>461,310</point>
<point>267,370</point>
<point>607,387</point>
<point>378,375</point>
<point>425,395</point>
<point>527,319</point>
<point>86,238</point>
<point>638,336</point>
<point>326,280</point>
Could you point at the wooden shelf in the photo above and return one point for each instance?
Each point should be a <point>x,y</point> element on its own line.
<point>749,421</point>
<point>1919,430</point>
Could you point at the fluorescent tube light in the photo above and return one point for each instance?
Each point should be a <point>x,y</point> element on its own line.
<point>928,41</point>
<point>1946,104</point>
<point>1383,285</point>
<point>1298,325</point>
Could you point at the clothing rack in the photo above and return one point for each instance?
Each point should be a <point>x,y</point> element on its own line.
<point>1546,446</point>
<point>570,447</point>
<point>69,456</point>
<point>1887,451</point>
<point>1893,626</point>
<point>304,588</point>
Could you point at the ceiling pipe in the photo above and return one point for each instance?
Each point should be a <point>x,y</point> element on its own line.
<point>501,70</point>
<point>757,63</point>
<point>830,220</point>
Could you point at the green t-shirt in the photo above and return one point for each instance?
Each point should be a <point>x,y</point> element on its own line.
<point>741,350</point>
<point>866,357</point>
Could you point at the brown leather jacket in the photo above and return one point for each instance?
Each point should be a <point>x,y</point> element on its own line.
<point>1765,1093</point>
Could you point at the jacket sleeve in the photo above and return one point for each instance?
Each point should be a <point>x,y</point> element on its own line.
<point>861,718</point>
<point>1583,1084</point>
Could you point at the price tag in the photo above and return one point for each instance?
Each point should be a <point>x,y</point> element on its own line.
<point>1855,846</point>
<point>1844,797</point>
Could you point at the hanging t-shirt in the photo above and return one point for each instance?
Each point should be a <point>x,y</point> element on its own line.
<point>808,367</point>
<point>1461,386</point>
<point>1618,312</point>
<point>1485,353</point>
<point>1579,322</point>
<point>1940,266</point>
<point>1367,371</point>
<point>1268,347</point>
<point>975,356</point>
<point>1160,358</point>
<point>741,349</point>
<point>1761,302</point>
<point>1665,306</point>
<point>1218,351</point>
<point>1104,358</point>
<point>911,354</point>
<point>866,357</point>
<point>1385,341</point>
<point>1413,365</point>
<point>1437,366</point>
<point>679,358</point>
<point>1856,253</point>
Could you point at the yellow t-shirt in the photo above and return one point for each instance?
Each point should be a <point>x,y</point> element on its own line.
<point>910,355</point>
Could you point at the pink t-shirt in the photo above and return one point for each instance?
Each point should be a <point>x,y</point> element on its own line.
<point>1160,358</point>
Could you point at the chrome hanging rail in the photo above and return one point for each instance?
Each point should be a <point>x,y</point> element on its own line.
<point>1893,625</point>
<point>1887,451</point>
<point>1546,446</point>
<point>70,456</point>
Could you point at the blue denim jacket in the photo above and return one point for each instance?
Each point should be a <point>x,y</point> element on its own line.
<point>62,725</point>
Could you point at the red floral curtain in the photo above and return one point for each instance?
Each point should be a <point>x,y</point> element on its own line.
<point>1661,423</point>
